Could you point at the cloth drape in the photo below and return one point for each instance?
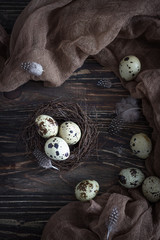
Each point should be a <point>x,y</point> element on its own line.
<point>60,35</point>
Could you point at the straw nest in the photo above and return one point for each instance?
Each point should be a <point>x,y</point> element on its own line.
<point>62,111</point>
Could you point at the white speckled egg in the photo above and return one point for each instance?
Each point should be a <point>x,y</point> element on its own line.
<point>129,67</point>
<point>70,132</point>
<point>151,188</point>
<point>86,190</point>
<point>131,177</point>
<point>141,145</point>
<point>47,126</point>
<point>56,148</point>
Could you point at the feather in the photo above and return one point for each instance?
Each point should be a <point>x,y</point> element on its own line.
<point>33,68</point>
<point>106,83</point>
<point>128,109</point>
<point>115,126</point>
<point>112,220</point>
<point>43,160</point>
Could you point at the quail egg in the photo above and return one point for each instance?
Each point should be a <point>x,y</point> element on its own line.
<point>151,188</point>
<point>47,126</point>
<point>56,148</point>
<point>129,67</point>
<point>141,145</point>
<point>86,190</point>
<point>131,177</point>
<point>70,132</point>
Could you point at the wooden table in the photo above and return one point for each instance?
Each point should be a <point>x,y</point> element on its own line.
<point>29,194</point>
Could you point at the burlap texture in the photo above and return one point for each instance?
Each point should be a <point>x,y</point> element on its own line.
<point>60,35</point>
<point>88,221</point>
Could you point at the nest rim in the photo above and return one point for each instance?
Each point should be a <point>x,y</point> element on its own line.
<point>61,111</point>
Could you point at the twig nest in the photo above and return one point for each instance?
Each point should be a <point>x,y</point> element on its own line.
<point>47,126</point>
<point>151,188</point>
<point>131,177</point>
<point>86,190</point>
<point>141,145</point>
<point>60,112</point>
<point>70,132</point>
<point>57,149</point>
<point>129,67</point>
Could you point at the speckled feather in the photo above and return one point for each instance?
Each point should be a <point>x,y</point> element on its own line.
<point>112,220</point>
<point>127,110</point>
<point>33,68</point>
<point>43,160</point>
<point>115,126</point>
<point>106,83</point>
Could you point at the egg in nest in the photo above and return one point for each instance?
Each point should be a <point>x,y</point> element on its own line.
<point>70,132</point>
<point>47,126</point>
<point>57,149</point>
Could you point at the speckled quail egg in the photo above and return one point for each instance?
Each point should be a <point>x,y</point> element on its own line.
<point>131,177</point>
<point>70,132</point>
<point>151,188</point>
<point>86,190</point>
<point>47,126</point>
<point>141,145</point>
<point>129,67</point>
<point>56,148</point>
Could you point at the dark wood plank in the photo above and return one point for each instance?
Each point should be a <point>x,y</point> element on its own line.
<point>9,11</point>
<point>29,195</point>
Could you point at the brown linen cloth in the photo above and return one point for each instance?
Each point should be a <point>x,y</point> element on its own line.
<point>60,35</point>
<point>137,220</point>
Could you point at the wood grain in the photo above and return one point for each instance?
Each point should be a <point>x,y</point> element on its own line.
<point>9,11</point>
<point>29,195</point>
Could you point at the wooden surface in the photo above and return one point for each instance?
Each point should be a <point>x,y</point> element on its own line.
<point>29,195</point>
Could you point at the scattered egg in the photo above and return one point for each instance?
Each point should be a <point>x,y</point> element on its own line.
<point>151,188</point>
<point>131,177</point>
<point>129,67</point>
<point>70,132</point>
<point>141,145</point>
<point>56,148</point>
<point>47,126</point>
<point>86,190</point>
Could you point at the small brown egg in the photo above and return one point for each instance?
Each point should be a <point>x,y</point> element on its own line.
<point>129,67</point>
<point>131,177</point>
<point>151,188</point>
<point>70,132</point>
<point>86,190</point>
<point>47,126</point>
<point>141,145</point>
<point>56,148</point>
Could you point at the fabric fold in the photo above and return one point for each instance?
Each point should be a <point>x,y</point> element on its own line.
<point>135,218</point>
<point>60,35</point>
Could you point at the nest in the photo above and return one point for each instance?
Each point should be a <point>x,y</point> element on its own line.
<point>62,111</point>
